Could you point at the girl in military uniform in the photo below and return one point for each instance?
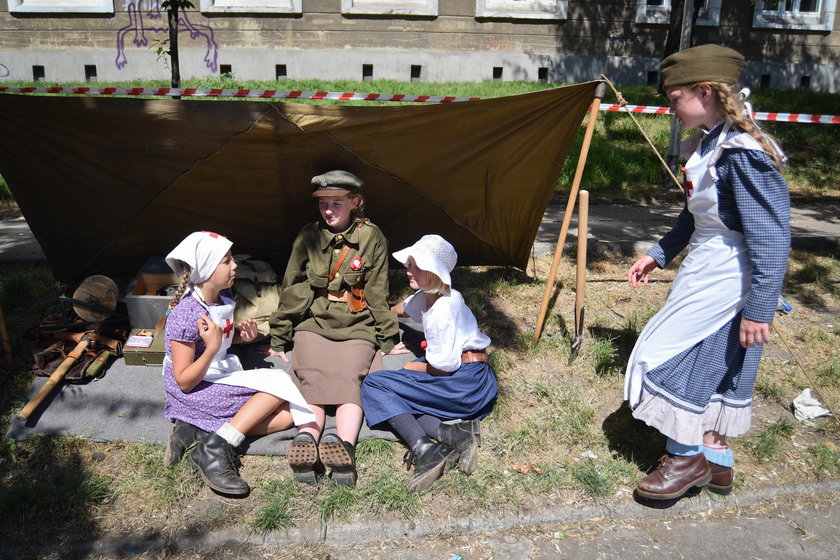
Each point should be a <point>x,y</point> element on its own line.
<point>334,310</point>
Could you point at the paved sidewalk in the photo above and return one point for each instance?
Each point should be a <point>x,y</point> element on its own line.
<point>623,228</point>
<point>632,227</point>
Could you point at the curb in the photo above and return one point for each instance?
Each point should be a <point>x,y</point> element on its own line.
<point>358,533</point>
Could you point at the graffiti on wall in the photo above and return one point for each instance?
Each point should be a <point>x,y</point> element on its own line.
<point>145,17</point>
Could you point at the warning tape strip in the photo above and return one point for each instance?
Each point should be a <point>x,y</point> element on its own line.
<point>240,94</point>
<point>349,96</point>
<point>758,116</point>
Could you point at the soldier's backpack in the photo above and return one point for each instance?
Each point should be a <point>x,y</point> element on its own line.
<point>256,292</point>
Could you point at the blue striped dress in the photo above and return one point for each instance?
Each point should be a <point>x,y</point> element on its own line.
<point>709,386</point>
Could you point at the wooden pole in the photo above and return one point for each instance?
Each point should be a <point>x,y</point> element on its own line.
<point>580,276</point>
<point>54,379</point>
<point>570,206</point>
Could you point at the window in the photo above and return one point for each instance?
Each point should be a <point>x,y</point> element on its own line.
<point>390,7</point>
<point>416,72</point>
<point>520,9</point>
<point>367,72</point>
<point>659,11</point>
<point>251,6</point>
<point>810,15</point>
<point>61,6</point>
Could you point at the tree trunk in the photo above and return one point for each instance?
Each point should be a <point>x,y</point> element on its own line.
<point>172,15</point>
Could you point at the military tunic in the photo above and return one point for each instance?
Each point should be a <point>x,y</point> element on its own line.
<point>317,323</point>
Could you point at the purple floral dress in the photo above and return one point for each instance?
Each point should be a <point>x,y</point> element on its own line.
<point>208,405</point>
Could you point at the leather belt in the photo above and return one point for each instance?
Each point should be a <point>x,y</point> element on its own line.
<point>332,295</point>
<point>470,356</point>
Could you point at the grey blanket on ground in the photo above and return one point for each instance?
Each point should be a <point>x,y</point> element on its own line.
<point>127,404</point>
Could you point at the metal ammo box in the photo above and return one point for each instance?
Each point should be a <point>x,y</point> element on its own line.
<point>142,355</point>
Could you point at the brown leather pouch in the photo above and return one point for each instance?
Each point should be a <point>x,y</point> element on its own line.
<point>356,300</point>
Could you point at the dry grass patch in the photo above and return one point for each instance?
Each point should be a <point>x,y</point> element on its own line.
<point>567,421</point>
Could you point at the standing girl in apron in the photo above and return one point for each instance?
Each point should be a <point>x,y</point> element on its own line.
<point>209,396</point>
<point>692,371</point>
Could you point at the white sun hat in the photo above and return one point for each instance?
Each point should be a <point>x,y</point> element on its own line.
<point>432,253</point>
<point>202,251</point>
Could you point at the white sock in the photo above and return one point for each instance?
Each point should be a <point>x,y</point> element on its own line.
<point>230,434</point>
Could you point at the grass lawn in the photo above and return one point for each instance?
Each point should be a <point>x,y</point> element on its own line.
<point>567,421</point>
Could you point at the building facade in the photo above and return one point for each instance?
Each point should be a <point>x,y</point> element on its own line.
<point>794,44</point>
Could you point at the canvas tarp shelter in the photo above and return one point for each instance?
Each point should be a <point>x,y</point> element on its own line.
<point>105,183</point>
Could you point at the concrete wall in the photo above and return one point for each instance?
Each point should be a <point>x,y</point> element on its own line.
<point>320,41</point>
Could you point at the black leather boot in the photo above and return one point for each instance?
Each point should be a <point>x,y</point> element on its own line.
<point>464,438</point>
<point>182,437</point>
<point>430,461</point>
<point>216,459</point>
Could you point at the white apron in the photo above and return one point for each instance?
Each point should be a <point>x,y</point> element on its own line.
<point>713,282</point>
<point>226,369</point>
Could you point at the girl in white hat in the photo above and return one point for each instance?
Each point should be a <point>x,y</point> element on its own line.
<point>454,381</point>
<point>209,396</point>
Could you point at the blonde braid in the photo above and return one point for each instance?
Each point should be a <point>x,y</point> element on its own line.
<point>733,107</point>
<point>182,287</point>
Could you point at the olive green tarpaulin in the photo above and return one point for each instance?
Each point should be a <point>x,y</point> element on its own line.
<point>105,183</point>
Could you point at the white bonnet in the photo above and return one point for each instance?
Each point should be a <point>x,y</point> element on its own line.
<point>432,253</point>
<point>202,251</point>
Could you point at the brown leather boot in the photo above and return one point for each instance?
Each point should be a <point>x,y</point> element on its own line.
<point>674,476</point>
<point>722,479</point>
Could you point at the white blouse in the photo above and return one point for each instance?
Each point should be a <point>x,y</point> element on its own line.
<point>450,328</point>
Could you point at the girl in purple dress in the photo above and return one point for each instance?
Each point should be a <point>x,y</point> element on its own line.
<point>209,395</point>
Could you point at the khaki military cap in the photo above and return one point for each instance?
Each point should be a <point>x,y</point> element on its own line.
<point>706,63</point>
<point>336,183</point>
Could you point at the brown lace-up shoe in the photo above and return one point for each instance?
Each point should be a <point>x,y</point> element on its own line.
<point>674,476</point>
<point>722,479</point>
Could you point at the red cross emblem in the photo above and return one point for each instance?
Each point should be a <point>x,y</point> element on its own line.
<point>214,234</point>
<point>228,328</point>
<point>689,186</point>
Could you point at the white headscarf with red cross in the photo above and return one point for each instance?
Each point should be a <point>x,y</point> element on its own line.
<point>202,251</point>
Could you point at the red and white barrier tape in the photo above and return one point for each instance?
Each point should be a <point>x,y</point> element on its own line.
<point>339,96</point>
<point>240,94</point>
<point>759,115</point>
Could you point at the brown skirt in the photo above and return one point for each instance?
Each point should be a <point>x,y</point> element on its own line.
<point>331,372</point>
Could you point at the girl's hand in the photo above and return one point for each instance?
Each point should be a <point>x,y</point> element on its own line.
<point>275,354</point>
<point>209,332</point>
<point>753,334</point>
<point>248,330</point>
<point>398,348</point>
<point>640,271</point>
<point>415,366</point>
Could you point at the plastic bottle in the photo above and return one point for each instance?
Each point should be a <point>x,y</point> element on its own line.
<point>783,305</point>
